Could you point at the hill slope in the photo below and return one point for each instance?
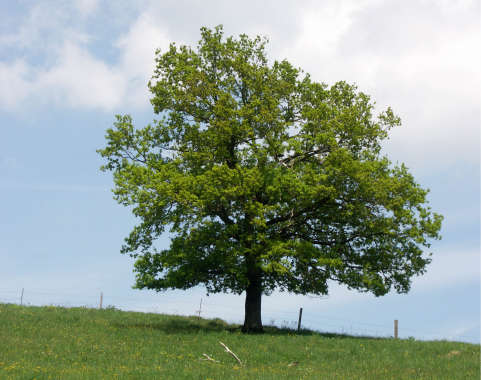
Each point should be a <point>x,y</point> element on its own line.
<point>81,343</point>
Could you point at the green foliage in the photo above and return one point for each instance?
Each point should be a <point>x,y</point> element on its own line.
<point>80,343</point>
<point>259,172</point>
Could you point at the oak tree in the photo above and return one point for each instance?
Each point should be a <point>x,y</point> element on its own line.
<point>265,179</point>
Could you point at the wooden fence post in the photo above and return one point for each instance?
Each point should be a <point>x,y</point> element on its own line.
<point>300,318</point>
<point>101,300</point>
<point>395,329</point>
<point>200,307</point>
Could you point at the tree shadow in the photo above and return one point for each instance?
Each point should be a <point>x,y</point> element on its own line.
<point>188,325</point>
<point>274,330</point>
<point>181,325</point>
<point>347,336</point>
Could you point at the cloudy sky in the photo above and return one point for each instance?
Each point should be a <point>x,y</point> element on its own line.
<point>67,67</point>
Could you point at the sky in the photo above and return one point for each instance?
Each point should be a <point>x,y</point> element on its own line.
<point>67,67</point>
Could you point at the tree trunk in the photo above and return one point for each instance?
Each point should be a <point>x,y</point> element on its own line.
<point>253,319</point>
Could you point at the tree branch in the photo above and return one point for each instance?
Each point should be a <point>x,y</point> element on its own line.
<point>289,161</point>
<point>230,352</point>
<point>207,357</point>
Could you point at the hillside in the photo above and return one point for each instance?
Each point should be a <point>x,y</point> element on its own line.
<point>81,343</point>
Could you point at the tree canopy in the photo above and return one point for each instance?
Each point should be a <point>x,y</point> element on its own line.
<point>265,179</point>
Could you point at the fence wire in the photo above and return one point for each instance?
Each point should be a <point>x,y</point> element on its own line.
<point>324,323</point>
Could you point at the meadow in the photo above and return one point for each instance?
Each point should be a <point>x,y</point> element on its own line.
<point>80,343</point>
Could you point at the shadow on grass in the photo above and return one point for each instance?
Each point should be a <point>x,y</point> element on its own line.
<point>273,330</point>
<point>346,336</point>
<point>182,325</point>
<point>188,325</point>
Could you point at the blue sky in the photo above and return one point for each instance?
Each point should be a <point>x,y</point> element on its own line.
<point>67,67</point>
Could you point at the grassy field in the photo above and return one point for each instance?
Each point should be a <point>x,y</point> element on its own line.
<point>80,343</point>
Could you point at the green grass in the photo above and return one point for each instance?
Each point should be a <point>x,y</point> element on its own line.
<point>80,343</point>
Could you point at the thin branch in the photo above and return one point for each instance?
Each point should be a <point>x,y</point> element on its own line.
<point>207,357</point>
<point>288,161</point>
<point>292,215</point>
<point>129,156</point>
<point>227,349</point>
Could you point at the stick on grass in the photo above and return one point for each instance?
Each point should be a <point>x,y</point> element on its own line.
<point>207,357</point>
<point>227,349</point>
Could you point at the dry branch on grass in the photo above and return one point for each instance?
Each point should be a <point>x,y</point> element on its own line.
<point>227,349</point>
<point>207,357</point>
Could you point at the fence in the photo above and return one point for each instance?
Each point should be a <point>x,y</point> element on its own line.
<point>205,307</point>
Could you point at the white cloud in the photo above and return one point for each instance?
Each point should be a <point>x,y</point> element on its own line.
<point>137,64</point>
<point>86,7</point>
<point>321,27</point>
<point>70,74</point>
<point>80,80</point>
<point>45,27</point>
<point>420,58</point>
<point>14,86</point>
<point>76,79</point>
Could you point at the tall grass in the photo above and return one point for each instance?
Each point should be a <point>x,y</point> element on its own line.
<point>80,343</point>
